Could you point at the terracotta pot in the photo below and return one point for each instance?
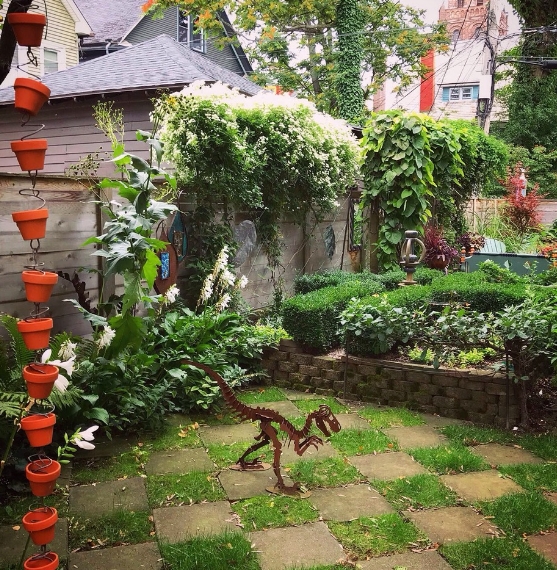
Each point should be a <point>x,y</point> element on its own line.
<point>439,262</point>
<point>40,379</point>
<point>28,28</point>
<point>38,285</point>
<point>31,223</point>
<point>39,428</point>
<point>46,561</point>
<point>39,523</point>
<point>30,153</point>
<point>35,332</point>
<point>30,95</point>
<point>42,475</point>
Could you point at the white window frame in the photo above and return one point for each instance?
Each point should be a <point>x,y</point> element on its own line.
<point>194,44</point>
<point>61,51</point>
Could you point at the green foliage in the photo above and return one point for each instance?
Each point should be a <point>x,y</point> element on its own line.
<point>496,274</point>
<point>311,319</point>
<point>426,276</point>
<point>449,459</point>
<point>362,442</point>
<point>174,490</point>
<point>330,472</point>
<point>329,278</point>
<point>390,417</point>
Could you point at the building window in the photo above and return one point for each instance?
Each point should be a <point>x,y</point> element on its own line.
<point>457,93</point>
<point>460,3</point>
<point>190,33</point>
<point>455,36</point>
<point>50,60</point>
<point>479,2</point>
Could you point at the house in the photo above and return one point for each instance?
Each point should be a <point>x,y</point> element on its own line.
<point>120,24</point>
<point>60,48</point>
<point>131,78</point>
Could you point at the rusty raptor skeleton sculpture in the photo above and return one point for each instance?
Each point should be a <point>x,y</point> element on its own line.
<point>324,419</point>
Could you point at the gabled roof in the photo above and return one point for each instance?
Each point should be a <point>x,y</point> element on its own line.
<point>158,63</point>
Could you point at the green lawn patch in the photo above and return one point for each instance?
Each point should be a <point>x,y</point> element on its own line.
<point>225,455</point>
<point>533,477</point>
<point>330,472</point>
<point>175,490</point>
<point>362,442</point>
<point>267,394</point>
<point>420,491</point>
<point>258,513</point>
<point>307,406</point>
<point>390,417</point>
<point>173,437</point>
<point>219,552</point>
<point>130,464</point>
<point>17,506</point>
<point>449,459</point>
<point>384,534</point>
<point>473,435</point>
<point>114,529</point>
<point>521,513</point>
<point>507,553</point>
<point>544,446</point>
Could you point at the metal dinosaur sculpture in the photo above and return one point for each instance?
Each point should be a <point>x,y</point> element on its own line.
<point>323,417</point>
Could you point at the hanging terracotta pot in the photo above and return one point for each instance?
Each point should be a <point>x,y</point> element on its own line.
<point>39,523</point>
<point>40,379</point>
<point>43,561</point>
<point>35,332</point>
<point>30,95</point>
<point>42,475</point>
<point>31,223</point>
<point>28,28</point>
<point>38,285</point>
<point>30,153</point>
<point>39,428</point>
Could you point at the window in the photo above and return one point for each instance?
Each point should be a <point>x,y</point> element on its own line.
<point>479,2</point>
<point>190,33</point>
<point>50,57</point>
<point>460,3</point>
<point>466,93</point>
<point>455,36</point>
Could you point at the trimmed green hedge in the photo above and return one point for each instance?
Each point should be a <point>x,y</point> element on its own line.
<point>331,278</point>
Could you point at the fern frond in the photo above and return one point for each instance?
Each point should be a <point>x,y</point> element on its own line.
<point>10,403</point>
<point>87,349</point>
<point>57,341</point>
<point>21,353</point>
<point>65,399</point>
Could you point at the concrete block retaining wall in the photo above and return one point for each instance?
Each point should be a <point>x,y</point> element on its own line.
<point>476,395</point>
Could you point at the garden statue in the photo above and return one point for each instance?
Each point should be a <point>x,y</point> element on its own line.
<point>409,261</point>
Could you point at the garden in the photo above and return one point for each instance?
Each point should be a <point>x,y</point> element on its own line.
<point>145,439</point>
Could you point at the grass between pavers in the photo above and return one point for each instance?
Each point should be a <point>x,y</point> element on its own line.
<point>330,472</point>
<point>224,454</point>
<point>177,490</point>
<point>544,446</point>
<point>418,492</point>
<point>533,477</point>
<point>94,470</point>
<point>509,553</point>
<point>449,459</point>
<point>362,442</point>
<point>267,394</point>
<point>172,437</point>
<point>218,552</point>
<point>264,512</point>
<point>307,406</point>
<point>474,435</point>
<point>384,534</point>
<point>521,513</point>
<point>113,529</point>
<point>12,513</point>
<point>217,416</point>
<point>390,417</point>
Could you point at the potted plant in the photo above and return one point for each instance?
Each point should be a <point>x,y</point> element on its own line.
<point>39,428</point>
<point>42,474</point>
<point>31,223</point>
<point>38,285</point>
<point>39,523</point>
<point>30,95</point>
<point>438,252</point>
<point>42,561</point>
<point>30,153</point>
<point>35,332</point>
<point>40,379</point>
<point>28,28</point>
<point>471,241</point>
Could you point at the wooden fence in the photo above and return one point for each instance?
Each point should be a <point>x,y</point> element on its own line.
<point>479,211</point>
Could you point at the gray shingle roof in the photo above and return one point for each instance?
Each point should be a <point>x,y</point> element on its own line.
<point>158,63</point>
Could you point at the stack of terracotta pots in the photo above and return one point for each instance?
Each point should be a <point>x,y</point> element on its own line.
<point>41,472</point>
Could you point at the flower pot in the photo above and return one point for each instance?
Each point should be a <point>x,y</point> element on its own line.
<point>38,285</point>
<point>40,379</point>
<point>30,95</point>
<point>39,523</point>
<point>35,332</point>
<point>47,561</point>
<point>440,262</point>
<point>42,475</point>
<point>28,28</point>
<point>39,428</point>
<point>31,223</point>
<point>30,153</point>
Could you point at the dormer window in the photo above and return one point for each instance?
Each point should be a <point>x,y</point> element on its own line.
<point>190,33</point>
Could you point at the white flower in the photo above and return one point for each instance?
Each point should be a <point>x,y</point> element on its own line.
<point>242,282</point>
<point>171,295</point>
<point>61,383</point>
<point>222,260</point>
<point>105,337</point>
<point>223,303</point>
<point>67,350</point>
<point>82,438</point>
<point>228,277</point>
<point>207,290</point>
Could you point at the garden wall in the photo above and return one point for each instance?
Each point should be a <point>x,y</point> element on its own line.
<point>476,395</point>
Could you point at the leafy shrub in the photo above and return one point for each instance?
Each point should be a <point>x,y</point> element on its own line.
<point>312,319</point>
<point>331,278</point>
<point>426,276</point>
<point>496,274</point>
<point>547,277</point>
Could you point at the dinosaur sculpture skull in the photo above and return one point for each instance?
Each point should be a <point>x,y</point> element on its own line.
<point>326,421</point>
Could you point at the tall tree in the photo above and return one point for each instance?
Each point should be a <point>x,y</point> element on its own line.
<point>7,37</point>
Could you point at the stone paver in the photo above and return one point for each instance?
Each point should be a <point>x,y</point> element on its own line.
<point>552,497</point>
<point>416,436</point>
<point>480,486</point>
<point>306,545</point>
<point>12,542</point>
<point>133,557</point>
<point>546,545</point>
<point>387,466</point>
<point>496,454</point>
<point>294,395</point>
<point>429,560</point>
<point>228,434</point>
<point>176,524</point>
<point>348,503</point>
<point>245,484</point>
<point>452,524</point>
<point>285,408</point>
<point>352,421</point>
<point>439,421</point>
<point>324,451</point>
<point>103,498</point>
<point>180,461</point>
